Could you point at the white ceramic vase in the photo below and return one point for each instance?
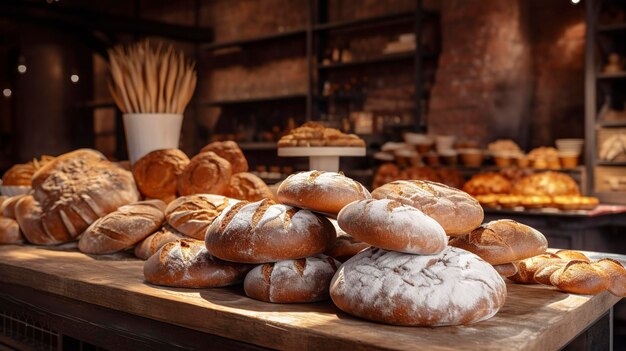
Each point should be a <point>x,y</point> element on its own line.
<point>146,132</point>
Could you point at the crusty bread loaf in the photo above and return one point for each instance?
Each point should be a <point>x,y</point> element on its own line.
<point>186,263</point>
<point>156,173</point>
<point>206,173</point>
<point>7,208</point>
<point>543,274</point>
<point>502,241</point>
<point>150,245</point>
<point>527,268</point>
<point>2,200</point>
<point>191,215</point>
<point>345,246</point>
<point>246,186</point>
<point>572,255</point>
<point>230,151</point>
<point>616,273</point>
<point>28,215</point>
<point>390,225</point>
<point>326,192</point>
<point>265,231</point>
<point>123,228</point>
<point>451,288</point>
<point>292,281</point>
<point>20,174</point>
<point>580,277</point>
<point>456,211</point>
<point>10,232</point>
<point>506,269</point>
<point>77,188</point>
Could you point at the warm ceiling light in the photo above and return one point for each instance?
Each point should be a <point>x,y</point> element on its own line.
<point>575,1</point>
<point>7,93</point>
<point>74,78</point>
<point>21,68</point>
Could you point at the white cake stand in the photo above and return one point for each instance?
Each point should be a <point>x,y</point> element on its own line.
<point>322,158</point>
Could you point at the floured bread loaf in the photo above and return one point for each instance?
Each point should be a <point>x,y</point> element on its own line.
<point>451,288</point>
<point>230,151</point>
<point>456,211</point>
<point>77,188</point>
<point>502,241</point>
<point>186,263</point>
<point>191,215</point>
<point>123,228</point>
<point>28,214</point>
<point>246,186</point>
<point>206,173</point>
<point>345,246</point>
<point>326,192</point>
<point>265,231</point>
<point>390,225</point>
<point>150,245</point>
<point>10,232</point>
<point>157,171</point>
<point>292,281</point>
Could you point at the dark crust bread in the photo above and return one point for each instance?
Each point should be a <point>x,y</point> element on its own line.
<point>191,215</point>
<point>156,173</point>
<point>150,245</point>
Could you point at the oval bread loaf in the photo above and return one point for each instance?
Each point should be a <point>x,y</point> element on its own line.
<point>28,213</point>
<point>527,268</point>
<point>191,215</point>
<point>580,277</point>
<point>150,245</point>
<point>616,273</point>
<point>246,186</point>
<point>10,232</point>
<point>230,151</point>
<point>8,206</point>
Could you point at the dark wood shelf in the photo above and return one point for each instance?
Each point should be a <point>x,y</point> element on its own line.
<point>611,124</point>
<point>260,145</point>
<point>621,75</point>
<point>382,59</point>
<point>611,163</point>
<point>370,21</point>
<point>254,100</point>
<point>617,27</point>
<point>242,42</point>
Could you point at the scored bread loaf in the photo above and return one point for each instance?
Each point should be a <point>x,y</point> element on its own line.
<point>390,225</point>
<point>326,192</point>
<point>292,281</point>
<point>580,277</point>
<point>77,188</point>
<point>456,211</point>
<point>156,173</point>
<point>150,245</point>
<point>206,173</point>
<point>506,270</point>
<point>186,263</point>
<point>8,206</point>
<point>246,186</point>
<point>572,255</point>
<point>28,215</point>
<point>230,151</point>
<point>543,274</point>
<point>451,288</point>
<point>617,275</point>
<point>502,241</point>
<point>527,268</point>
<point>10,232</point>
<point>265,231</point>
<point>191,215</point>
<point>345,246</point>
<point>123,228</point>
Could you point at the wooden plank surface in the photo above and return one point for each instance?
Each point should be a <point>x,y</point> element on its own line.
<point>533,318</point>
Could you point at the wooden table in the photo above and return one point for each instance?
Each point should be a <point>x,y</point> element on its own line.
<point>110,296</point>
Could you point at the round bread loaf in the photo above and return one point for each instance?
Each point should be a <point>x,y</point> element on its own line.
<point>616,273</point>
<point>456,211</point>
<point>246,186</point>
<point>390,225</point>
<point>8,206</point>
<point>502,241</point>
<point>206,173</point>
<point>292,281</point>
<point>28,215</point>
<point>150,245</point>
<point>527,268</point>
<point>230,151</point>
<point>326,192</point>
<point>191,215</point>
<point>186,263</point>
<point>451,288</point>
<point>77,188</point>
<point>572,255</point>
<point>156,173</point>
<point>19,175</point>
<point>345,246</point>
<point>506,269</point>
<point>10,232</point>
<point>265,231</point>
<point>123,228</point>
<point>580,277</point>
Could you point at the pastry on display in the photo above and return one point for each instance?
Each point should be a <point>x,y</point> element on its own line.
<point>502,241</point>
<point>326,192</point>
<point>28,215</point>
<point>547,184</point>
<point>487,183</point>
<point>456,211</point>
<point>315,134</point>
<point>206,173</point>
<point>418,290</point>
<point>10,232</point>
<point>536,201</point>
<point>230,151</point>
<point>156,173</point>
<point>77,188</point>
<point>123,228</point>
<point>292,281</point>
<point>506,146</point>
<point>247,186</point>
<point>391,225</point>
<point>151,244</point>
<point>345,246</point>
<point>613,147</point>
<point>191,215</point>
<point>264,231</point>
<point>509,201</point>
<point>490,200</point>
<point>186,263</point>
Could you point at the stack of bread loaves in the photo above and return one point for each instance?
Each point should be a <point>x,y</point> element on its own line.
<point>407,223</point>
